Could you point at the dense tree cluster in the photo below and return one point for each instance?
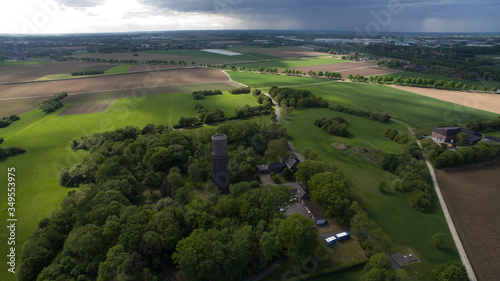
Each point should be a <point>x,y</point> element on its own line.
<point>449,271</point>
<point>247,111</point>
<point>208,116</point>
<point>86,72</point>
<point>290,97</point>
<point>413,173</point>
<point>332,192</point>
<point>442,158</point>
<point>378,268</point>
<point>264,100</point>
<point>6,121</point>
<point>336,126</point>
<point>240,90</point>
<point>10,151</point>
<point>484,126</point>
<point>103,232</point>
<point>383,117</point>
<point>200,95</point>
<point>53,103</point>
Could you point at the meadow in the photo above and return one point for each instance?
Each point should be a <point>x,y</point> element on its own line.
<point>390,209</point>
<point>260,80</point>
<point>46,139</point>
<point>292,63</point>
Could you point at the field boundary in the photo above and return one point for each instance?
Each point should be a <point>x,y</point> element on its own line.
<point>449,220</point>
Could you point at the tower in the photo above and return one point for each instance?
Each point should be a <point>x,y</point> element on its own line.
<point>220,167</point>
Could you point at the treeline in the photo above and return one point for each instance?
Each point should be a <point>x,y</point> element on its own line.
<point>290,97</point>
<point>484,126</point>
<point>327,74</point>
<point>383,117</point>
<point>336,126</point>
<point>248,111</point>
<point>103,231</point>
<point>6,121</point>
<point>131,61</point>
<point>53,103</point>
<point>442,158</point>
<point>200,95</point>
<point>412,171</point>
<point>422,82</point>
<point>86,72</point>
<point>240,90</point>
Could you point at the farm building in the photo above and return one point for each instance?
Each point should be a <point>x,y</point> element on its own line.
<point>268,168</point>
<point>290,162</point>
<point>316,214</point>
<point>449,134</point>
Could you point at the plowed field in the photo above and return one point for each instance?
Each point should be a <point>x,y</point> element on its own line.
<point>473,198</point>
<point>114,82</point>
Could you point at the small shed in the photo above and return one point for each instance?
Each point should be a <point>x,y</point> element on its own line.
<point>291,162</point>
<point>315,213</point>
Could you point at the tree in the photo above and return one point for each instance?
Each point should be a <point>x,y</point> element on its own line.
<point>308,168</point>
<point>382,185</point>
<point>378,268</point>
<point>331,191</point>
<point>194,173</point>
<point>462,138</point>
<point>277,150</point>
<point>298,236</point>
<point>438,239</point>
<point>452,271</point>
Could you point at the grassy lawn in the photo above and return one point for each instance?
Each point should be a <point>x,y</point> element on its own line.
<point>293,63</point>
<point>479,84</point>
<point>416,110</point>
<point>408,228</point>
<point>268,80</point>
<point>46,139</point>
<point>18,62</point>
<point>122,68</point>
<point>227,102</point>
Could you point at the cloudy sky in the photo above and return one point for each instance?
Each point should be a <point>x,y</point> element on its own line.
<point>87,16</point>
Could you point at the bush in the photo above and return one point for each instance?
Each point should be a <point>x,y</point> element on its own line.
<point>372,115</point>
<point>336,126</point>
<point>53,103</point>
<point>86,72</point>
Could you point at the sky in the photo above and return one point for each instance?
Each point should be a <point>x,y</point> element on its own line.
<point>360,16</point>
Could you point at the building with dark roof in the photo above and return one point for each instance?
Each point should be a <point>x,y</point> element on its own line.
<point>291,162</point>
<point>449,134</point>
<point>315,213</point>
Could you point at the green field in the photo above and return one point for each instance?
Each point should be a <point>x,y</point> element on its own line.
<point>18,62</point>
<point>46,139</point>
<point>122,68</point>
<point>261,80</point>
<point>408,228</point>
<point>56,77</point>
<point>416,110</point>
<point>479,83</point>
<point>292,63</point>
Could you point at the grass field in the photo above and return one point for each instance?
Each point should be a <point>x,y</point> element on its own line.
<point>57,76</point>
<point>122,68</point>
<point>18,62</point>
<point>390,210</point>
<point>46,139</point>
<point>479,84</point>
<point>293,63</point>
<point>259,80</point>
<point>416,110</point>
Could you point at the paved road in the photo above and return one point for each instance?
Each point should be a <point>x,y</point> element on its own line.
<point>451,225</point>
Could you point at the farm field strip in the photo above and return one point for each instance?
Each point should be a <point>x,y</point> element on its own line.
<point>472,196</point>
<point>482,101</point>
<point>114,82</point>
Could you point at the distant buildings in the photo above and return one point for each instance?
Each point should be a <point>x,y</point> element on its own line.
<point>220,166</point>
<point>449,134</point>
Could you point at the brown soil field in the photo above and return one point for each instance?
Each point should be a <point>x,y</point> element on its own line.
<point>472,194</point>
<point>488,102</point>
<point>114,82</point>
<point>18,106</point>
<point>91,107</point>
<point>31,72</point>
<point>362,68</point>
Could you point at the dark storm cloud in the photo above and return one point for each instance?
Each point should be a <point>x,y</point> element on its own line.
<point>81,3</point>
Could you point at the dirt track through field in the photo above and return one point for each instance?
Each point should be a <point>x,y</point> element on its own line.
<point>473,198</point>
<point>488,102</point>
<point>114,82</point>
